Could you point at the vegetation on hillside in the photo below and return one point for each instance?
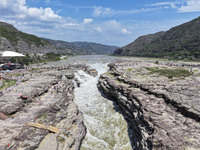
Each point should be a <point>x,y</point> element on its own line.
<point>36,58</point>
<point>13,35</point>
<point>180,42</point>
<point>139,43</point>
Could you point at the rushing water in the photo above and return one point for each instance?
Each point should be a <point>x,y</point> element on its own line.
<point>106,128</point>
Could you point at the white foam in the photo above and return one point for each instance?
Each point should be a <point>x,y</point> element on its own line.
<point>104,124</point>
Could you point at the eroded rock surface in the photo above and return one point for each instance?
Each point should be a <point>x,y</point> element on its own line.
<point>45,96</point>
<point>162,109</point>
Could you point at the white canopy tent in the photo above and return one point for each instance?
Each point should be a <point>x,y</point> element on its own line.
<point>11,54</point>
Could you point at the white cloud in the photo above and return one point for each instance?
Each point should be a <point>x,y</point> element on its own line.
<point>125,31</point>
<point>190,6</point>
<point>101,11</point>
<point>163,4</point>
<point>98,29</point>
<point>17,9</point>
<point>181,6</point>
<point>47,1</point>
<point>70,24</point>
<point>45,22</point>
<point>86,21</point>
<point>112,24</point>
<point>108,12</point>
<point>167,5</point>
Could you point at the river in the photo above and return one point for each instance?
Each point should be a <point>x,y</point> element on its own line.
<point>106,127</point>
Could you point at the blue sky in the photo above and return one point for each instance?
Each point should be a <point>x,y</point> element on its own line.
<point>111,22</point>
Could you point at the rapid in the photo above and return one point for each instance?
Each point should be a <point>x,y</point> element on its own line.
<point>106,127</point>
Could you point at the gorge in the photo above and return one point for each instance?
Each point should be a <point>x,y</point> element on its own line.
<point>131,103</point>
<point>79,85</point>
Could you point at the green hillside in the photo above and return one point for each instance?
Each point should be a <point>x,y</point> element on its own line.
<point>13,35</point>
<point>180,42</point>
<point>139,43</point>
<point>15,40</point>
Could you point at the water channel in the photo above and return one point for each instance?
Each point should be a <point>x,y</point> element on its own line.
<point>106,128</point>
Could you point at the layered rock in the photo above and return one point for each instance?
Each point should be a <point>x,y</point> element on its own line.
<point>162,111</point>
<point>41,96</point>
<point>92,72</point>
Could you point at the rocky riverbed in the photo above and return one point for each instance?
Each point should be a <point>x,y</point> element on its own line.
<point>160,101</point>
<point>44,96</point>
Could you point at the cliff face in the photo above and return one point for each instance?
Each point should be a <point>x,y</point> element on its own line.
<point>159,102</point>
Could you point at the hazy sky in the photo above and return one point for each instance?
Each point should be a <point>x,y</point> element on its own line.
<point>112,22</point>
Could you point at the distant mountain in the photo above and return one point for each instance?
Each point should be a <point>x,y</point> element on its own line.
<point>139,43</point>
<point>82,48</point>
<point>181,42</point>
<point>95,48</point>
<point>15,40</point>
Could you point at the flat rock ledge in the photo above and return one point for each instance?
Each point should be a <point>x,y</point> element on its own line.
<point>163,112</point>
<point>42,96</point>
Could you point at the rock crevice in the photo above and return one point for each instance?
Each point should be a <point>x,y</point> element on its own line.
<point>163,113</point>
<point>45,98</point>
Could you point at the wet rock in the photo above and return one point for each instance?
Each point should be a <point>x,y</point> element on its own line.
<point>69,75</point>
<point>77,82</point>
<point>92,72</point>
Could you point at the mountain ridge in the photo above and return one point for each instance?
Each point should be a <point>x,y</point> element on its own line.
<point>83,48</point>
<point>180,42</point>
<point>14,40</point>
<point>138,43</point>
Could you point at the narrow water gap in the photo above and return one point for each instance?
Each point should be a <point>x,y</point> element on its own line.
<point>106,128</point>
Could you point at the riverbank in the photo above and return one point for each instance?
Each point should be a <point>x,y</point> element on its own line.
<point>42,98</point>
<point>160,100</point>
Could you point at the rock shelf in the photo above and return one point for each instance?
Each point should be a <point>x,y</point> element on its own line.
<point>43,95</point>
<point>163,111</point>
